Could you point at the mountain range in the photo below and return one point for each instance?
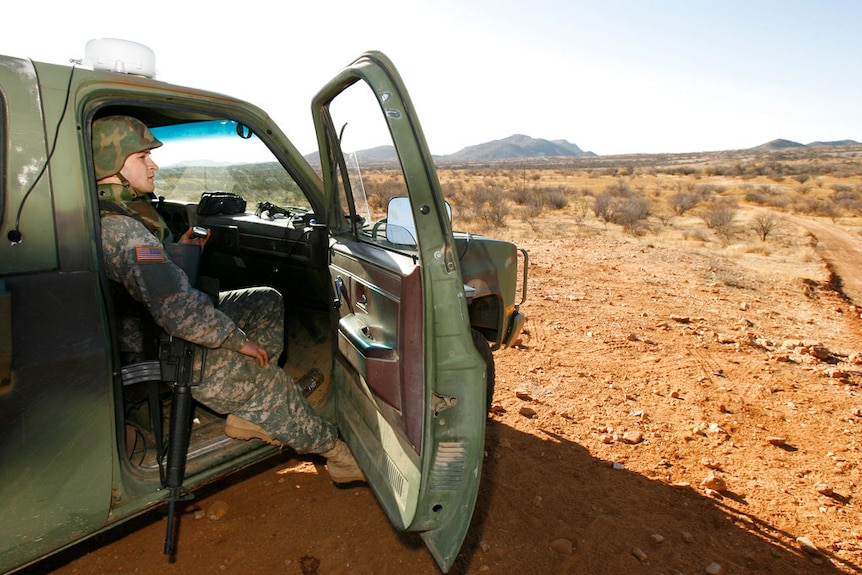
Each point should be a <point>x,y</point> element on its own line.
<point>781,144</point>
<point>521,146</point>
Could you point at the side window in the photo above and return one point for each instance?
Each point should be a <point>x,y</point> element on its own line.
<point>372,167</point>
<point>222,156</point>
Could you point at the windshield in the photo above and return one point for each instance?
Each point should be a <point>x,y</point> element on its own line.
<point>221,156</point>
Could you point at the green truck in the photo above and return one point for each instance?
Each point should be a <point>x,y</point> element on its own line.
<point>399,312</point>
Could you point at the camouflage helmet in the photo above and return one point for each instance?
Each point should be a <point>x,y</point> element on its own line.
<point>115,138</point>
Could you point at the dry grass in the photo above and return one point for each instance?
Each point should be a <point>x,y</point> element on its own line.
<point>696,200</point>
<point>699,202</point>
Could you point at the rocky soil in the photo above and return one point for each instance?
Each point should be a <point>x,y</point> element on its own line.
<point>672,409</point>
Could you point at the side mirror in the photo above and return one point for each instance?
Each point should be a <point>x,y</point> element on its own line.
<point>400,227</point>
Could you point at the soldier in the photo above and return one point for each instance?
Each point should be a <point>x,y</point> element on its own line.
<point>242,332</point>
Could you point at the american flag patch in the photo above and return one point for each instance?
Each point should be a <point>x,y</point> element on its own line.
<point>149,254</point>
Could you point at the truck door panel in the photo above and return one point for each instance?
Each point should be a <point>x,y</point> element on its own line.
<point>380,324</point>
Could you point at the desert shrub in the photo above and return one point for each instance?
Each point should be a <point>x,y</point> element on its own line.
<point>496,214</point>
<point>753,197</point>
<point>630,212</point>
<point>706,191</point>
<point>682,171</point>
<point>718,215</point>
<point>696,234</point>
<point>764,224</point>
<point>815,206</point>
<point>767,195</point>
<point>682,201</point>
<point>846,197</point>
<point>381,186</point>
<point>521,196</point>
<point>728,276</point>
<point>665,216</point>
<point>602,206</point>
<point>775,171</point>
<point>727,170</point>
<point>580,209</point>
<point>531,208</point>
<point>619,189</point>
<point>489,205</point>
<point>621,206</point>
<point>555,198</point>
<point>780,201</point>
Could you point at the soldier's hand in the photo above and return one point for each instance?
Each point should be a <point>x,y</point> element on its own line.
<point>187,238</point>
<point>255,350</point>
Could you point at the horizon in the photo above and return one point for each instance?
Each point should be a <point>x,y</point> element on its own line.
<point>617,78</point>
<point>793,145</point>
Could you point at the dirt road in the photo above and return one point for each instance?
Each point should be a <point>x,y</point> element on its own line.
<point>841,250</point>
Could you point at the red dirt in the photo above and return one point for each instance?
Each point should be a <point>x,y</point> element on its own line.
<point>647,367</point>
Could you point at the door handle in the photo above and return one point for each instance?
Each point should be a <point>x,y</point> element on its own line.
<point>340,295</point>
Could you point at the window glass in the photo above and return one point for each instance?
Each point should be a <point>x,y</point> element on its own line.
<point>372,165</point>
<point>221,156</point>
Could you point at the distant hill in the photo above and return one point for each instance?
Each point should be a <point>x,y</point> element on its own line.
<point>833,143</point>
<point>513,147</point>
<point>517,146</point>
<point>780,144</point>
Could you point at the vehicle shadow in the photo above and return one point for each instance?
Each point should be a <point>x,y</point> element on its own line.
<point>546,505</point>
<point>539,495</point>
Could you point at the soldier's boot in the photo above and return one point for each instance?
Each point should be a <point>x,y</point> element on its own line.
<point>240,428</point>
<point>341,465</point>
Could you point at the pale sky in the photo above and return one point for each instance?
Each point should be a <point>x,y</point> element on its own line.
<point>612,76</point>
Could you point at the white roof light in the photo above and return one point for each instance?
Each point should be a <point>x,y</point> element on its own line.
<point>122,56</point>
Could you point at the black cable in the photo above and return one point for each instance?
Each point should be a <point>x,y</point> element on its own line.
<point>15,236</point>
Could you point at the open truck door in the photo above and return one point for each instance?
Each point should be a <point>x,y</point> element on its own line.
<point>410,385</point>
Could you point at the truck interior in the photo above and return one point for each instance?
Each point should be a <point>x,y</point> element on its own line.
<point>275,241</point>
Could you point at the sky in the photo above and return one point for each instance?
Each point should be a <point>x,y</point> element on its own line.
<point>611,76</point>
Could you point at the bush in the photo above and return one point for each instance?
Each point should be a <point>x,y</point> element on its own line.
<point>681,202</point>
<point>489,205</point>
<point>764,224</point>
<point>602,206</point>
<point>626,209</point>
<point>718,215</point>
<point>630,212</point>
<point>581,207</point>
<point>847,198</point>
<point>555,199</point>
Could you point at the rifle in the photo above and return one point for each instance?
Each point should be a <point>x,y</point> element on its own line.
<point>271,210</point>
<point>177,361</point>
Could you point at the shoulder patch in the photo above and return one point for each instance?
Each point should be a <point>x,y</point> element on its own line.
<point>145,254</point>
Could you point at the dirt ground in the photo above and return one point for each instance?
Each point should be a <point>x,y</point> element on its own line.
<point>672,409</point>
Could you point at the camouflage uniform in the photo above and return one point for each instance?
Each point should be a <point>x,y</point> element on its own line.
<point>132,233</point>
